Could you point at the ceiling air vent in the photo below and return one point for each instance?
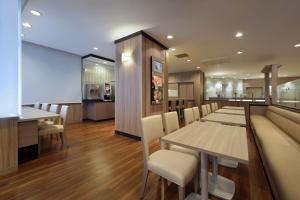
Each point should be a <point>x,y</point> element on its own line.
<point>215,61</point>
<point>183,55</point>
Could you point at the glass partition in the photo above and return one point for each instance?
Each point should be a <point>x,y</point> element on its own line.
<point>288,94</point>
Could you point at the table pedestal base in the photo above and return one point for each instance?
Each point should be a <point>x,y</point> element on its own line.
<point>221,187</point>
<point>193,196</point>
<point>228,163</point>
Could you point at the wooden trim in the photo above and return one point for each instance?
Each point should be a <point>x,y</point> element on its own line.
<point>128,135</point>
<point>143,34</point>
<point>96,56</point>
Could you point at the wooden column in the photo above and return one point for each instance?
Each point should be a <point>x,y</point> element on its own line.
<point>133,81</point>
<point>274,72</point>
<point>8,145</point>
<point>267,88</point>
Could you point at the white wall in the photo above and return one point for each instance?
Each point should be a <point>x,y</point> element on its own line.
<point>10,50</point>
<point>50,75</point>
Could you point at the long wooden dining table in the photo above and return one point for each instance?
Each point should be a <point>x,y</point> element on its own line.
<point>218,141</point>
<point>231,111</point>
<point>233,107</point>
<point>228,119</point>
<point>28,125</point>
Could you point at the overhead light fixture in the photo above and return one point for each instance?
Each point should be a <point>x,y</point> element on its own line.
<point>104,62</point>
<point>239,52</point>
<point>297,45</point>
<point>198,67</point>
<point>239,34</point>
<point>170,37</point>
<point>27,25</point>
<point>173,49</point>
<point>95,48</point>
<point>188,60</point>
<point>36,13</point>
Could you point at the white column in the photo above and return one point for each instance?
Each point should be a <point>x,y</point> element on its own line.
<point>10,52</point>
<point>274,83</point>
<point>267,88</point>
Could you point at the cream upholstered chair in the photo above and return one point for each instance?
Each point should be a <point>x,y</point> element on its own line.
<point>56,128</point>
<point>171,125</point>
<point>213,109</point>
<point>173,166</point>
<point>37,105</point>
<point>188,116</point>
<point>45,106</point>
<point>204,110</point>
<point>208,109</point>
<point>216,106</point>
<point>196,113</point>
<point>53,109</point>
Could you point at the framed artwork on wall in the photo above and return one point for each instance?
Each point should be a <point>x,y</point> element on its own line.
<point>157,81</point>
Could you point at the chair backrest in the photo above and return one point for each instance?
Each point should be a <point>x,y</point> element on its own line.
<point>64,114</point>
<point>45,106</point>
<point>213,107</point>
<point>152,129</point>
<point>171,122</point>
<point>53,108</point>
<point>196,113</point>
<point>37,105</point>
<point>208,109</point>
<point>204,110</point>
<point>216,106</point>
<point>188,116</point>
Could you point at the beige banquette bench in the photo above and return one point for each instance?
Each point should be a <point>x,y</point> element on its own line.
<point>277,134</point>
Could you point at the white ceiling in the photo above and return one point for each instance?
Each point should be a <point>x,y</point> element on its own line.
<point>202,28</point>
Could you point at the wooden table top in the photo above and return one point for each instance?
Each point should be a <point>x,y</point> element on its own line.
<point>231,111</point>
<point>233,107</point>
<point>238,120</point>
<point>33,114</point>
<point>229,142</point>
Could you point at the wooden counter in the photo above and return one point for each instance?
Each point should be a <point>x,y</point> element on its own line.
<point>99,110</point>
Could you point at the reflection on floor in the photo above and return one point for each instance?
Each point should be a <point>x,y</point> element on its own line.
<point>102,165</point>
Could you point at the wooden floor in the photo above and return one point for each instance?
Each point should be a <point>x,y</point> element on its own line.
<point>101,165</point>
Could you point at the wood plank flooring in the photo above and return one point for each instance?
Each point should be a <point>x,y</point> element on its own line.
<point>101,165</point>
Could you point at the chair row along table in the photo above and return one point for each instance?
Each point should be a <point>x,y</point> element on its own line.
<point>219,141</point>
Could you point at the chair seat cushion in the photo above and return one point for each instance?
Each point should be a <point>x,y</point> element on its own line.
<point>184,150</point>
<point>51,129</point>
<point>176,167</point>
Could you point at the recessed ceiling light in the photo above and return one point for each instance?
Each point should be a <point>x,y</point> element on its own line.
<point>104,62</point>
<point>297,45</point>
<point>198,67</point>
<point>36,13</point>
<point>97,64</point>
<point>239,52</point>
<point>27,25</point>
<point>95,48</point>
<point>170,37</point>
<point>188,60</point>
<point>239,34</point>
<point>173,49</point>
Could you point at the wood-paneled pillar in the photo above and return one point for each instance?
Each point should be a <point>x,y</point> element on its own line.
<point>133,81</point>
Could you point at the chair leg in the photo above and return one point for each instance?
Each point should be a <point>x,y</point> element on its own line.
<point>145,177</point>
<point>65,139</point>
<point>162,196</point>
<point>39,144</point>
<point>181,192</point>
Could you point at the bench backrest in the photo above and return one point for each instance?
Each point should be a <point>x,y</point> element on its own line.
<point>287,120</point>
